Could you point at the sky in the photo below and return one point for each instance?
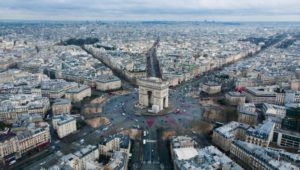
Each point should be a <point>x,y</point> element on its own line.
<point>136,10</point>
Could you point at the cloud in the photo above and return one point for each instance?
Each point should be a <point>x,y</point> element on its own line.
<point>151,9</point>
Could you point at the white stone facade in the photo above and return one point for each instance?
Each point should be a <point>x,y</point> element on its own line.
<point>153,92</point>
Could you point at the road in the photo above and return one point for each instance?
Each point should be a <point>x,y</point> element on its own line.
<point>153,67</point>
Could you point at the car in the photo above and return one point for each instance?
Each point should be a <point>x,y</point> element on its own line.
<point>123,114</point>
<point>12,162</point>
<point>42,163</point>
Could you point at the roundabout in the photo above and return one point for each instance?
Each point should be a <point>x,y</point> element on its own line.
<point>123,113</point>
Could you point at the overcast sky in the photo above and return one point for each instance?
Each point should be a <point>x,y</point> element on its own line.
<point>219,10</point>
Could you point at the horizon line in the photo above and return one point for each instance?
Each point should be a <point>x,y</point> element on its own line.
<point>138,20</point>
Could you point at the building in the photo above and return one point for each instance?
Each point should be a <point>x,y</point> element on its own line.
<point>206,158</point>
<point>247,114</point>
<point>286,138</point>
<point>292,118</point>
<point>69,161</point>
<point>260,158</point>
<point>15,105</point>
<point>108,83</point>
<point>118,161</point>
<point>61,106</point>
<point>64,125</point>
<point>79,93</point>
<point>117,147</point>
<point>182,142</point>
<point>275,113</point>
<point>250,107</point>
<point>185,156</point>
<point>153,93</point>
<point>87,155</point>
<point>262,135</point>
<point>17,142</point>
<point>292,97</point>
<point>271,109</point>
<point>295,84</point>
<point>268,94</point>
<point>113,143</point>
<point>36,136</point>
<point>242,82</point>
<point>224,135</point>
<point>235,98</point>
<point>85,158</point>
<point>10,114</point>
<point>211,87</point>
<point>19,77</point>
<point>8,146</point>
<point>247,117</point>
<point>56,88</point>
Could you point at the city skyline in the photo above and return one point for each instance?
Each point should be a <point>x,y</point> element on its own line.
<point>149,84</point>
<point>133,10</point>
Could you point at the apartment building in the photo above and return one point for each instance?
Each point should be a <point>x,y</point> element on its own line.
<point>247,114</point>
<point>8,146</point>
<point>61,106</point>
<point>186,156</point>
<point>261,135</point>
<point>259,158</point>
<point>274,113</point>
<point>224,135</point>
<point>108,82</point>
<point>235,98</point>
<point>35,136</point>
<point>64,125</point>
<point>79,93</point>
